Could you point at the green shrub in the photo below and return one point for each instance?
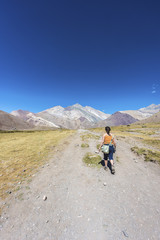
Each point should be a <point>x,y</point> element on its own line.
<point>84,145</point>
<point>92,159</point>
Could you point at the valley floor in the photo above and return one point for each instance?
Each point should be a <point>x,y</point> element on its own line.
<point>87,203</point>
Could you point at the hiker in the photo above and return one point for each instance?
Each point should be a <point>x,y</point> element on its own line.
<point>108,139</point>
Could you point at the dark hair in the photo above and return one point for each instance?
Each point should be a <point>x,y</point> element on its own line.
<point>108,129</point>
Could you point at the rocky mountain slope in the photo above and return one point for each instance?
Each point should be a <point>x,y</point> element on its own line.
<point>31,118</point>
<point>77,116</point>
<point>155,118</point>
<point>143,113</point>
<point>73,117</point>
<point>116,119</point>
<point>10,122</point>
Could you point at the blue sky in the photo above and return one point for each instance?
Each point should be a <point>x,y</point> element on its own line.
<point>104,54</point>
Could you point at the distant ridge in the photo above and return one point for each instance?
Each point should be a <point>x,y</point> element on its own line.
<point>117,119</point>
<point>10,122</point>
<point>155,118</point>
<point>143,113</point>
<point>74,117</point>
<point>31,118</point>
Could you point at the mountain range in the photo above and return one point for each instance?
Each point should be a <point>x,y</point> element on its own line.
<point>10,122</point>
<point>143,113</point>
<point>72,117</point>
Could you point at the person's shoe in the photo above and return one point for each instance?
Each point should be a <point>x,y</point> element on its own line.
<point>113,169</point>
<point>105,168</point>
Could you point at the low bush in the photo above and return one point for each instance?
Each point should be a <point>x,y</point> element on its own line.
<point>84,145</point>
<point>92,159</point>
<point>149,155</point>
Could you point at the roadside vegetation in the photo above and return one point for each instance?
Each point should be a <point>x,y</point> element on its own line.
<point>91,159</point>
<point>149,155</point>
<point>22,153</point>
<point>84,145</point>
<point>89,136</point>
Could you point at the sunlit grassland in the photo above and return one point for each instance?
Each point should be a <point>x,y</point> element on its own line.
<point>145,131</point>
<point>88,136</point>
<point>22,153</point>
<point>149,155</point>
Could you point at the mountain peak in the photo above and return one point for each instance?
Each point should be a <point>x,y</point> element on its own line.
<point>76,105</point>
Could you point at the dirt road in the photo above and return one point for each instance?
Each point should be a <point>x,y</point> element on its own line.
<point>85,203</point>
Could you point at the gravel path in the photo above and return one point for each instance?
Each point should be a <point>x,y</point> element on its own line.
<point>86,203</point>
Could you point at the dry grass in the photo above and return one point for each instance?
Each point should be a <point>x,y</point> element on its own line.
<point>84,145</point>
<point>152,142</point>
<point>89,136</point>
<point>98,145</point>
<point>22,153</point>
<point>98,130</point>
<point>149,155</point>
<point>136,131</point>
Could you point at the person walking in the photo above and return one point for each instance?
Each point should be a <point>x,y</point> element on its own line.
<point>108,139</point>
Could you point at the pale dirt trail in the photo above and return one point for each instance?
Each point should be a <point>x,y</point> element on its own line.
<point>79,206</point>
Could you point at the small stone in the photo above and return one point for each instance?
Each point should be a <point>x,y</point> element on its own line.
<point>47,221</point>
<point>24,170</point>
<point>125,234</point>
<point>104,183</point>
<point>38,197</point>
<point>44,198</point>
<point>136,161</point>
<point>9,192</point>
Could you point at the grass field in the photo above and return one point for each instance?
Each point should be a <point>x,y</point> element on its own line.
<point>22,153</point>
<point>88,136</point>
<point>149,155</point>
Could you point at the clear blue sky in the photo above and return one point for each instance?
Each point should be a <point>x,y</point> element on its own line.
<point>104,54</point>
